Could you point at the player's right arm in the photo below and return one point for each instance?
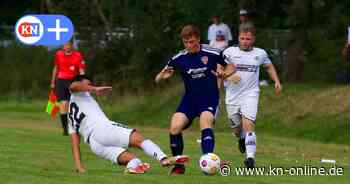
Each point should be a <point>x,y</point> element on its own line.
<point>166,73</point>
<point>82,86</point>
<point>75,139</point>
<point>169,69</point>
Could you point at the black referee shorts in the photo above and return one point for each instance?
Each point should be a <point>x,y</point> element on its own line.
<point>62,89</point>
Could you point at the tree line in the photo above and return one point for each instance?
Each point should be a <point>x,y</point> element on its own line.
<point>314,31</point>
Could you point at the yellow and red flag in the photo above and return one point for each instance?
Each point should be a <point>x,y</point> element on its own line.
<point>52,106</point>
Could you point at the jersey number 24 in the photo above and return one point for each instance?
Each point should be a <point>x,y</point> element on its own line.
<point>74,116</point>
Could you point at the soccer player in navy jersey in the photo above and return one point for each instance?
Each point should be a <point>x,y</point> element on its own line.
<point>198,67</point>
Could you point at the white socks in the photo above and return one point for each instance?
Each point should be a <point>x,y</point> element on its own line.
<point>250,144</point>
<point>152,150</point>
<point>133,163</point>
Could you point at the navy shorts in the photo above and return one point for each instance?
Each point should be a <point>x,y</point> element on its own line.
<point>193,105</point>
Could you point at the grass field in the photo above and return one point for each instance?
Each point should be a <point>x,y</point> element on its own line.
<point>32,149</point>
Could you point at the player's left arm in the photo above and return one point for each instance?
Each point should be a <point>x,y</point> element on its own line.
<point>273,75</point>
<point>75,140</point>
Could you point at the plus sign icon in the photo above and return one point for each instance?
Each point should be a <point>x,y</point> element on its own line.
<point>48,30</point>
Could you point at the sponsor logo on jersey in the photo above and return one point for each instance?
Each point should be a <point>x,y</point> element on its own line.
<point>197,73</point>
<point>247,68</point>
<point>205,60</point>
<point>197,70</point>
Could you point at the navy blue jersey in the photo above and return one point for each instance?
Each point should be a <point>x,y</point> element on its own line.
<point>196,70</point>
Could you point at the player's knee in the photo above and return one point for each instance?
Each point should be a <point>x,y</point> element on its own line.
<point>174,130</point>
<point>247,124</point>
<point>125,157</point>
<point>206,120</point>
<point>178,122</point>
<point>136,139</point>
<point>206,124</point>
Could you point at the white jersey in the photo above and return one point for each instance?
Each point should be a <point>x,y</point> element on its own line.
<point>84,114</point>
<point>221,45</point>
<point>213,29</point>
<point>247,68</point>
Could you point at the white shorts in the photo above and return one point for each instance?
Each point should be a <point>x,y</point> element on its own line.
<point>246,105</point>
<point>109,140</point>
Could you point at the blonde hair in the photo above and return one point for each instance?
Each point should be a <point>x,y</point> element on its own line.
<point>247,27</point>
<point>189,31</point>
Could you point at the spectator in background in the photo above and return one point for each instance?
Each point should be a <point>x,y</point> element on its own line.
<point>216,27</point>
<point>243,16</point>
<point>344,77</point>
<point>346,49</point>
<point>219,42</point>
<point>67,65</point>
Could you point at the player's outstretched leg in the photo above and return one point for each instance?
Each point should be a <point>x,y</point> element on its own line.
<point>153,150</point>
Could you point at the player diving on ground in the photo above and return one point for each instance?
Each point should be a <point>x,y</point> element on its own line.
<point>106,138</point>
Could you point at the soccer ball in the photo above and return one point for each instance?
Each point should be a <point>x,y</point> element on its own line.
<point>209,163</point>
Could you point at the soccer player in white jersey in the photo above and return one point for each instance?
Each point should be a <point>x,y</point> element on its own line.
<point>106,138</point>
<point>242,89</point>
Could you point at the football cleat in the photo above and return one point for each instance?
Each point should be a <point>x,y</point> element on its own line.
<point>178,169</point>
<point>179,159</point>
<point>140,169</point>
<point>249,162</point>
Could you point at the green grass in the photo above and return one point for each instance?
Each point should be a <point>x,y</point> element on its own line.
<point>312,111</point>
<point>303,125</point>
<point>35,152</point>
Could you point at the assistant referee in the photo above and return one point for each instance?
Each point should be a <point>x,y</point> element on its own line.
<point>68,64</point>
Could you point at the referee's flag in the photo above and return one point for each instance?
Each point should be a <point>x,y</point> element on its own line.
<point>52,106</point>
